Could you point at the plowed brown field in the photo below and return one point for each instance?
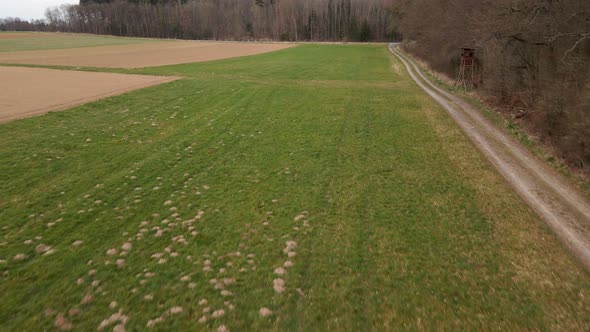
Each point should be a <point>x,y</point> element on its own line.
<point>140,55</point>
<point>9,35</point>
<point>32,91</point>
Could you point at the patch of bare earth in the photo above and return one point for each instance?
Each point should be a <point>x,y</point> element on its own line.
<point>9,35</point>
<point>140,55</point>
<point>32,91</point>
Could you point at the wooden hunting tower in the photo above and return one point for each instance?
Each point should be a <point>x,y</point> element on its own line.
<point>466,67</point>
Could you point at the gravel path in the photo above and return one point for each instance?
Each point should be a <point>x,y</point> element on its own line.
<point>565,210</point>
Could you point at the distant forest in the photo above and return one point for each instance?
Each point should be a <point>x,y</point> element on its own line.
<point>533,56</point>
<point>284,20</point>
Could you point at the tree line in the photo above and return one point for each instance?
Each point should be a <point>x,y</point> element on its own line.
<point>18,24</point>
<point>284,20</point>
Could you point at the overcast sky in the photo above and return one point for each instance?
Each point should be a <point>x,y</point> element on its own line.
<point>29,9</point>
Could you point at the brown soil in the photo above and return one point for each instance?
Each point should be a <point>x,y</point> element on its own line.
<point>9,35</point>
<point>140,55</point>
<point>32,91</point>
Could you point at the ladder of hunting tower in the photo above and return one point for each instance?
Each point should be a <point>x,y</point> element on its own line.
<point>466,68</point>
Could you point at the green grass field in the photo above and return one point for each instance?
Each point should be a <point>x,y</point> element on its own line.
<point>53,41</point>
<point>325,160</point>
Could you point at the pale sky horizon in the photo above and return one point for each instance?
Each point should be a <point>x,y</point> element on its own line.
<point>29,9</point>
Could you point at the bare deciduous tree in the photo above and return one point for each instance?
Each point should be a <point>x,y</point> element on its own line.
<point>288,20</point>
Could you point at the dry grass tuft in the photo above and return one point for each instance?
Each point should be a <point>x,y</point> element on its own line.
<point>290,246</point>
<point>87,299</point>
<point>62,324</point>
<point>218,313</point>
<point>42,248</point>
<point>265,312</point>
<point>114,318</point>
<point>119,328</point>
<point>279,285</point>
<point>175,310</point>
<point>152,322</point>
<point>229,281</point>
<point>73,312</point>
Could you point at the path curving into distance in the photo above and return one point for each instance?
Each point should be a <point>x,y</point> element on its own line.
<point>563,208</point>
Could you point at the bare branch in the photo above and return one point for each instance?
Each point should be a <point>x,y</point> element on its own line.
<point>576,44</point>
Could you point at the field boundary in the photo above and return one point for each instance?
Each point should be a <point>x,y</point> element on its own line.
<point>140,55</point>
<point>565,210</point>
<point>542,151</point>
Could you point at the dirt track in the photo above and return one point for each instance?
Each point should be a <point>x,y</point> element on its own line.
<point>32,91</point>
<point>564,209</point>
<point>140,55</point>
